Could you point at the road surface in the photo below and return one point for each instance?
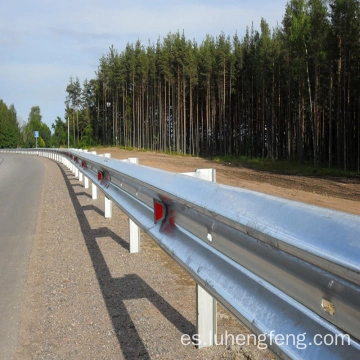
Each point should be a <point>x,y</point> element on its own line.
<point>21,182</point>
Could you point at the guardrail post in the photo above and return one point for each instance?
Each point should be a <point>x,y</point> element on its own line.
<point>86,179</point>
<point>80,174</point>
<point>134,230</point>
<point>86,182</point>
<point>206,318</point>
<point>76,171</point>
<point>66,162</point>
<point>108,202</point>
<point>93,186</point>
<point>134,237</point>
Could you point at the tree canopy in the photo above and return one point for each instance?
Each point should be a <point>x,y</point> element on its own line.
<point>9,126</point>
<point>33,124</point>
<point>291,92</point>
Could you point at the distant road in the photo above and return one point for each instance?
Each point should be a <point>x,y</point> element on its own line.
<point>21,182</point>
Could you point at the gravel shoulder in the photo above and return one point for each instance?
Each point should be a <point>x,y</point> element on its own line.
<point>87,297</point>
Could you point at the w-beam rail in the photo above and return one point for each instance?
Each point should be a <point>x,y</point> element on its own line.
<point>289,271</point>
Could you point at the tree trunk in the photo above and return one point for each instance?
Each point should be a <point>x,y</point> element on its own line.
<point>330,119</point>
<point>312,118</point>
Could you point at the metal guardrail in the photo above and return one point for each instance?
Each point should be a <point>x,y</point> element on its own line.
<point>284,268</point>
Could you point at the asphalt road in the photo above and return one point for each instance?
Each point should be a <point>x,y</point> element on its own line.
<point>21,182</point>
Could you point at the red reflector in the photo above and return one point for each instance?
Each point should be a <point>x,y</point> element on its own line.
<point>100,175</point>
<point>159,211</point>
<point>82,164</point>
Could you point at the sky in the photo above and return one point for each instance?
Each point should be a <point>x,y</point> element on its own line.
<point>44,42</point>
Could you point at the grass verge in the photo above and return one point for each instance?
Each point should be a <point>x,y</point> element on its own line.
<point>284,166</point>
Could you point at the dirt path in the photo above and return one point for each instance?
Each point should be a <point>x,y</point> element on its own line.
<point>341,194</point>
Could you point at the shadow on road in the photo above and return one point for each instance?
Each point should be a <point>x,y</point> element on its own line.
<point>83,194</point>
<point>93,208</point>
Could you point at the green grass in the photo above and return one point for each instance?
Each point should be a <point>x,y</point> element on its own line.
<point>284,166</point>
<point>175,153</point>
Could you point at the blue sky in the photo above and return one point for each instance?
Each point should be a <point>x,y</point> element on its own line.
<point>44,42</point>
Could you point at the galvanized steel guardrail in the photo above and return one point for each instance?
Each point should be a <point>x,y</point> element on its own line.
<point>285,269</point>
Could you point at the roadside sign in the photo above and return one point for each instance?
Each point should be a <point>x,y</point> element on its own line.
<point>36,134</point>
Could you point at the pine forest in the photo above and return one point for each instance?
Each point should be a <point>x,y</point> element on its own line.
<point>291,92</point>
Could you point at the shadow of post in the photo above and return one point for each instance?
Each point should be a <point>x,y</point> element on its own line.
<point>83,194</point>
<point>116,290</point>
<point>93,208</point>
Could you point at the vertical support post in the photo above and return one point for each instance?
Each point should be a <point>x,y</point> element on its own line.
<point>80,174</point>
<point>134,237</point>
<point>108,202</point>
<point>93,186</point>
<point>206,305</point>
<point>86,182</point>
<point>134,230</point>
<point>108,208</point>
<point>86,179</point>
<point>206,318</point>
